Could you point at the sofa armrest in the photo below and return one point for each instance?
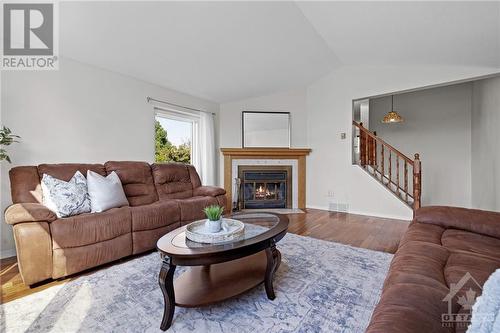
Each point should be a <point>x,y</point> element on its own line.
<point>208,191</point>
<point>28,212</point>
<point>34,251</point>
<point>473,220</point>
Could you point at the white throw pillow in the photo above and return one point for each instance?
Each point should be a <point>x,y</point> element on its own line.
<point>105,192</point>
<point>66,198</point>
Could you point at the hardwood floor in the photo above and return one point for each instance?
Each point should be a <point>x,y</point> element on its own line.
<point>368,232</point>
<point>357,230</point>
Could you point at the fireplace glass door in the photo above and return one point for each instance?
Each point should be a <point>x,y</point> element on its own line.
<point>265,187</point>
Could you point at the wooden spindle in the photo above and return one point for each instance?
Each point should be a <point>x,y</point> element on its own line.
<point>382,163</point>
<point>367,150</point>
<point>361,145</point>
<point>417,182</point>
<point>390,168</point>
<point>406,180</point>
<point>397,175</point>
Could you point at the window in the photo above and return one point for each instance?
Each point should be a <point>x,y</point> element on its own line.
<point>174,137</point>
<point>185,135</point>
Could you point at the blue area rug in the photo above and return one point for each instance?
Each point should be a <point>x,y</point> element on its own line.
<point>320,287</point>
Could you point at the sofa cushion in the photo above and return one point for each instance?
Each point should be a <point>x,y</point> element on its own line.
<point>429,233</point>
<point>192,208</point>
<point>76,259</point>
<point>459,264</point>
<point>172,181</point>
<point>460,240</point>
<point>210,191</point>
<point>194,176</point>
<point>25,184</point>
<point>155,215</point>
<point>419,263</point>
<point>474,220</point>
<point>137,181</point>
<point>405,308</point>
<point>66,170</point>
<point>146,240</point>
<point>90,228</point>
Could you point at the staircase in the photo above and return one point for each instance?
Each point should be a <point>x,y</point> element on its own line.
<point>389,166</point>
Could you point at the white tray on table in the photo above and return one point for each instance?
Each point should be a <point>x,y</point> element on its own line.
<point>231,230</point>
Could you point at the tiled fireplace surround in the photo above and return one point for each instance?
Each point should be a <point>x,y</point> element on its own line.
<point>294,157</point>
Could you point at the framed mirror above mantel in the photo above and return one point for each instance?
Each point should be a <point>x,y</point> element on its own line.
<point>295,158</point>
<point>269,129</point>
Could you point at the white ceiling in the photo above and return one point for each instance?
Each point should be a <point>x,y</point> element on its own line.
<point>416,32</point>
<point>227,51</point>
<point>218,50</point>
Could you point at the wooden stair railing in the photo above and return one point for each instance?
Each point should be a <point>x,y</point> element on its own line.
<point>375,154</point>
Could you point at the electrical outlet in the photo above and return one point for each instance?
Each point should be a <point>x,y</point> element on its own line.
<point>343,136</point>
<point>330,194</point>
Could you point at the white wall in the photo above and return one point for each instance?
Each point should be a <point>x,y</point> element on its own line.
<point>79,114</point>
<point>437,125</point>
<point>293,101</point>
<point>329,111</point>
<point>486,144</point>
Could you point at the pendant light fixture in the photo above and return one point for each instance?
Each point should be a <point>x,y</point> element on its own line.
<point>392,116</point>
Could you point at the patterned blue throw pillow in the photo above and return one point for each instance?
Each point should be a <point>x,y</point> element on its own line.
<point>66,198</point>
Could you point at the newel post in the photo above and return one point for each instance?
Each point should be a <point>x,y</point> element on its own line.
<point>417,182</point>
<point>362,145</point>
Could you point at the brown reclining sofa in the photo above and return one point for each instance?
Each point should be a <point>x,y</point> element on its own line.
<point>441,246</point>
<point>162,197</point>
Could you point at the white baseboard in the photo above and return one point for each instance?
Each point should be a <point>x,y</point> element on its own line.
<point>7,253</point>
<point>385,216</point>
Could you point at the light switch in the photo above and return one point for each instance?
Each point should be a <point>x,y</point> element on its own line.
<point>342,136</point>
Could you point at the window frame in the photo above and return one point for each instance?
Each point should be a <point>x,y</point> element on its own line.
<point>173,114</point>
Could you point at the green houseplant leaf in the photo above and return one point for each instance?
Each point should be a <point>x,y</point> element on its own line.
<point>6,139</point>
<point>213,212</point>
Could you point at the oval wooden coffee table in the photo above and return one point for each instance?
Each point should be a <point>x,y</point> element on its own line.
<point>221,271</point>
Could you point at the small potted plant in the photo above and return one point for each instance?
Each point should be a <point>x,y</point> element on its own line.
<point>214,218</point>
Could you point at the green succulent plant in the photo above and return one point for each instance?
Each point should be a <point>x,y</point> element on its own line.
<point>6,139</point>
<point>213,212</point>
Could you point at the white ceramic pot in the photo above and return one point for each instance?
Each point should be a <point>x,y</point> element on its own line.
<point>213,226</point>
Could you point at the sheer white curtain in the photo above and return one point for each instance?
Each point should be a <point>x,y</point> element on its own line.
<point>206,145</point>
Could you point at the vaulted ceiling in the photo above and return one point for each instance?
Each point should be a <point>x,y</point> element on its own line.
<point>407,32</point>
<point>226,51</point>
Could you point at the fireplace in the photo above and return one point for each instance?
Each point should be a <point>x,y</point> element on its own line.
<point>295,158</point>
<point>265,187</point>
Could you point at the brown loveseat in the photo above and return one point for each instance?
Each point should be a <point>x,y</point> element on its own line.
<point>441,246</point>
<point>162,197</point>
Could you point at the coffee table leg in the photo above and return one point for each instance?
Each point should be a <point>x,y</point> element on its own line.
<point>166,281</point>
<point>273,262</point>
